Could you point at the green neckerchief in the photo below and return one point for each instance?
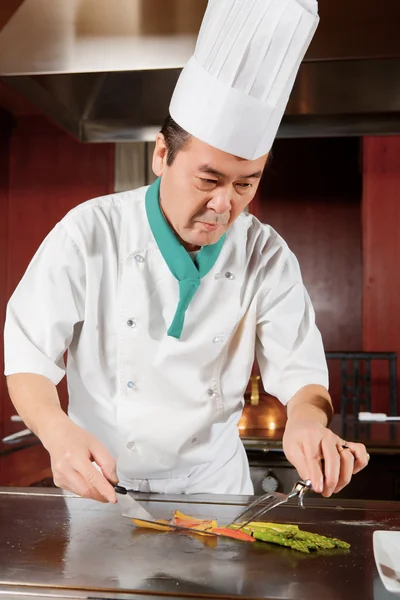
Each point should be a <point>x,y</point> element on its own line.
<point>183,268</point>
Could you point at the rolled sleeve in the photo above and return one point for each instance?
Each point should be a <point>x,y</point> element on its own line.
<point>289,346</point>
<point>44,309</point>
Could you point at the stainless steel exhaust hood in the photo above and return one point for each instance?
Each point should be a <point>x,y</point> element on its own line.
<point>105,70</point>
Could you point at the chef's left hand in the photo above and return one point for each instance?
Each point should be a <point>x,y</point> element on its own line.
<point>307,443</point>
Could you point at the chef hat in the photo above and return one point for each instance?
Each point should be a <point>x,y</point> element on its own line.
<point>233,92</point>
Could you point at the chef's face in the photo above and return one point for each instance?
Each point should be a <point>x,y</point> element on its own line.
<point>204,190</point>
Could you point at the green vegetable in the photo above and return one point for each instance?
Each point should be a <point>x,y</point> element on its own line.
<point>292,537</point>
<point>280,539</point>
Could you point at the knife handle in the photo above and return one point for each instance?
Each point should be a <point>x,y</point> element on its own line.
<point>120,489</point>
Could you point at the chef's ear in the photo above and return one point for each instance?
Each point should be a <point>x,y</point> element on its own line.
<point>160,155</point>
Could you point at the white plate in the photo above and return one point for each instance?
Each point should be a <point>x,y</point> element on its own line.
<point>387,558</point>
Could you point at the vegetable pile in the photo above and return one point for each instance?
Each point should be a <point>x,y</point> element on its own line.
<point>292,537</point>
<point>287,535</point>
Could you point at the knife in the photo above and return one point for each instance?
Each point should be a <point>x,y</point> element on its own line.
<point>134,510</point>
<point>131,507</point>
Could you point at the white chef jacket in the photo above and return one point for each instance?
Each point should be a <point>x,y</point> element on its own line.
<point>166,408</point>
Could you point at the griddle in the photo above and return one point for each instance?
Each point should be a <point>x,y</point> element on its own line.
<point>55,545</point>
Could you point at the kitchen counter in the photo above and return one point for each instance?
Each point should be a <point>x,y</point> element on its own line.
<point>58,545</point>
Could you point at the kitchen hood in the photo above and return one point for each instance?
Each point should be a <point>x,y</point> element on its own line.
<point>105,70</point>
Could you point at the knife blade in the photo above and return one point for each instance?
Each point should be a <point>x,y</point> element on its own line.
<point>134,510</point>
<point>130,507</point>
<point>184,529</point>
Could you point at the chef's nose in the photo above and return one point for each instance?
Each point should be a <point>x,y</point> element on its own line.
<point>221,201</point>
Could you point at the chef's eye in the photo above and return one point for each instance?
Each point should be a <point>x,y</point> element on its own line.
<point>243,187</point>
<point>206,184</point>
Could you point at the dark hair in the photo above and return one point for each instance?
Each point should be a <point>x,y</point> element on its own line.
<point>176,138</point>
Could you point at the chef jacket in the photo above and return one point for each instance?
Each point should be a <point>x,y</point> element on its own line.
<point>167,408</point>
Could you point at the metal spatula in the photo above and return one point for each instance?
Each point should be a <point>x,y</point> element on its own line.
<point>269,501</point>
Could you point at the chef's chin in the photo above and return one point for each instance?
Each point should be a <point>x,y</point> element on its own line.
<point>205,238</point>
<point>204,234</point>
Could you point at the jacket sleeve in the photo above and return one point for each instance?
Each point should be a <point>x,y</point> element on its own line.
<point>289,347</point>
<point>44,309</point>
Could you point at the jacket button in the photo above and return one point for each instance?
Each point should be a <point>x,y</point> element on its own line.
<point>229,275</point>
<point>131,323</point>
<point>131,385</point>
<point>131,446</point>
<point>210,392</point>
<point>219,339</point>
<point>139,258</point>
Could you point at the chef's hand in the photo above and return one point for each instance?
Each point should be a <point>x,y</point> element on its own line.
<point>306,444</point>
<point>72,451</point>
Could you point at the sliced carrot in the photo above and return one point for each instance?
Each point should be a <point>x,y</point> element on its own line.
<point>237,535</point>
<point>160,525</point>
<point>187,523</point>
<point>198,525</point>
<point>178,516</point>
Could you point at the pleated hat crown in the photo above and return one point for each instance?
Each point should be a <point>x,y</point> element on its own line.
<point>234,90</point>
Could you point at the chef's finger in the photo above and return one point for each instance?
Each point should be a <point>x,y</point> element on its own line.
<point>96,479</point>
<point>331,466</point>
<point>299,461</point>
<point>105,461</point>
<point>360,454</point>
<point>73,482</point>
<point>314,467</point>
<point>346,468</point>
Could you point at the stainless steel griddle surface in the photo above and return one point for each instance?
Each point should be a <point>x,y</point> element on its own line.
<point>70,547</point>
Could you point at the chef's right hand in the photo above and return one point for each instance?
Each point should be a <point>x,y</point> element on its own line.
<point>72,451</point>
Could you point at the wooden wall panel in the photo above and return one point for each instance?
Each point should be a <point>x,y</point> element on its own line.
<point>311,194</point>
<point>381,242</point>
<point>49,173</point>
<point>325,236</point>
<point>5,133</point>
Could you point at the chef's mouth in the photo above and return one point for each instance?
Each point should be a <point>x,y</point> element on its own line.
<point>215,223</point>
<point>209,226</point>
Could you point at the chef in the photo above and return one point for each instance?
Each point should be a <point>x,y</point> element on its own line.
<point>160,296</point>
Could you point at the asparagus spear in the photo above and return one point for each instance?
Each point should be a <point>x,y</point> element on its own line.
<point>323,541</point>
<point>291,536</point>
<point>282,540</point>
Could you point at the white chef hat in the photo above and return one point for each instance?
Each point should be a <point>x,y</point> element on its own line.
<point>233,92</point>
